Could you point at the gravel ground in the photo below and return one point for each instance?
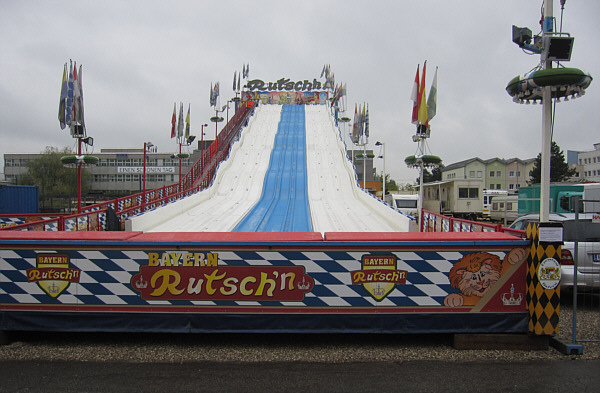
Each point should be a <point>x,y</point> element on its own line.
<point>335,348</point>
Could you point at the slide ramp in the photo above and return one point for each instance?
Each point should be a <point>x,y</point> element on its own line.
<point>337,203</point>
<point>301,181</point>
<point>235,190</point>
<point>283,206</point>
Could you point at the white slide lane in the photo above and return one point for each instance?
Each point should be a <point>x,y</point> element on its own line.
<point>236,188</point>
<point>337,203</point>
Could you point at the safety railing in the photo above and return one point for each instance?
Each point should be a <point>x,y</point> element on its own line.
<point>95,217</point>
<point>435,222</point>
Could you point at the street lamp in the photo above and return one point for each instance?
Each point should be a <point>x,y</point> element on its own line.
<point>202,145</point>
<point>217,119</point>
<point>147,145</point>
<point>382,156</point>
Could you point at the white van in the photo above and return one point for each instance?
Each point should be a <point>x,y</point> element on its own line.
<point>406,203</point>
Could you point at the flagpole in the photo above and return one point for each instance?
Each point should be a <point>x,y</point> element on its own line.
<point>79,176</point>
<point>180,164</point>
<point>421,177</point>
<point>364,164</point>
<point>546,126</point>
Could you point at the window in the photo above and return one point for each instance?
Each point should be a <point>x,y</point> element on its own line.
<point>491,173</point>
<point>479,174</point>
<point>468,193</point>
<point>511,186</point>
<point>471,173</point>
<point>498,186</point>
<point>498,174</point>
<point>511,174</point>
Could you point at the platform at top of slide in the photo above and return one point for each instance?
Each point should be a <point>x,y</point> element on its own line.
<point>288,172</point>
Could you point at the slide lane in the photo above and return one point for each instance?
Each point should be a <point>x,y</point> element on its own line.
<point>235,190</point>
<point>283,206</point>
<point>337,203</point>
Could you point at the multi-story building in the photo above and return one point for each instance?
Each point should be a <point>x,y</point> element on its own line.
<point>466,186</point>
<point>119,171</point>
<point>494,174</point>
<point>586,162</point>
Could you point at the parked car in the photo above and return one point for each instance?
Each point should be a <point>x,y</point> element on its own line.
<point>587,235</point>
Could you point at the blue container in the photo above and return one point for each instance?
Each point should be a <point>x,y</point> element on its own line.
<point>19,199</point>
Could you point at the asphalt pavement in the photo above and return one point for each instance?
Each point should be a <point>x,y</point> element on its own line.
<point>411,376</point>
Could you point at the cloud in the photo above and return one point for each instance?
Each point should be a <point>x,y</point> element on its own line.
<point>140,57</point>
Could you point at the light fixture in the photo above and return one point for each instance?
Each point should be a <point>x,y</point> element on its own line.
<point>557,48</point>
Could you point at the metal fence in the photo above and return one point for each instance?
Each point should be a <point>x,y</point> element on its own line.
<point>585,291</point>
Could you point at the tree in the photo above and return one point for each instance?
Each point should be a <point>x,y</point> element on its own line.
<point>52,177</point>
<point>390,184</point>
<point>434,175</point>
<point>559,169</point>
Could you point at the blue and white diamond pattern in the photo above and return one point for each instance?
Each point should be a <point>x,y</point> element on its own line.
<point>106,274</point>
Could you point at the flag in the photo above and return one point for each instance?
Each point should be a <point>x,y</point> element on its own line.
<point>69,101</point>
<point>62,103</point>
<point>361,121</point>
<point>432,100</point>
<point>80,118</point>
<point>367,122</point>
<point>187,124</point>
<point>239,85</point>
<point>423,99</point>
<point>415,98</point>
<point>339,92</point>
<point>76,116</point>
<point>355,126</point>
<point>180,122</point>
<point>234,79</point>
<point>174,119</point>
<point>323,71</point>
<point>77,124</point>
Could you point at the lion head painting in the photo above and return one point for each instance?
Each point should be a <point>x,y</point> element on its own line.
<point>474,275</point>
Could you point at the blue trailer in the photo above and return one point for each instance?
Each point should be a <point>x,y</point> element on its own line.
<point>19,199</point>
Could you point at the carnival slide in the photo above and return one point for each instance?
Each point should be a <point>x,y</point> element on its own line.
<point>288,172</point>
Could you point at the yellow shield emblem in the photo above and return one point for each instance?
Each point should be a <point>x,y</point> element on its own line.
<point>379,275</point>
<point>53,274</point>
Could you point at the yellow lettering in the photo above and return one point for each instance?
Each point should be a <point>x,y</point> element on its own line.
<point>292,278</point>
<point>209,280</point>
<point>175,257</point>
<point>187,259</point>
<point>170,280</point>
<point>359,277</point>
<point>212,259</point>
<point>264,281</point>
<point>152,259</point>
<point>34,275</point>
<point>243,290</point>
<point>198,259</point>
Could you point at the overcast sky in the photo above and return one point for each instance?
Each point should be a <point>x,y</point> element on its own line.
<point>139,57</point>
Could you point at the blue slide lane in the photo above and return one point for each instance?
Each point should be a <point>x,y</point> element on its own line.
<point>283,205</point>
